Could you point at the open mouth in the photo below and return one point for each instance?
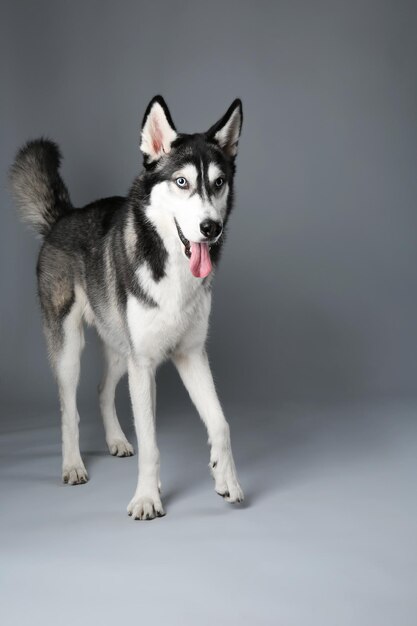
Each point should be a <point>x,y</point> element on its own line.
<point>197,253</point>
<point>184,240</point>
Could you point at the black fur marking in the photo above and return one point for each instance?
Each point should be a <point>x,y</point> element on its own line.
<point>126,279</point>
<point>86,247</point>
<point>150,246</point>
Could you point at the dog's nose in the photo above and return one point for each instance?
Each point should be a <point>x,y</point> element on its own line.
<point>210,228</point>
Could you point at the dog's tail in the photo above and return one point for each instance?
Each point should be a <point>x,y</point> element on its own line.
<point>37,186</point>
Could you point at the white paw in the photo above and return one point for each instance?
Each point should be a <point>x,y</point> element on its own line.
<point>74,474</point>
<point>145,507</point>
<point>120,447</point>
<point>226,482</point>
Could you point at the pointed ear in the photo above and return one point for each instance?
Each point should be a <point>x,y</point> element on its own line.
<point>158,130</point>
<point>226,131</point>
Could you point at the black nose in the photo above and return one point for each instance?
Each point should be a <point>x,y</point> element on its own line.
<point>210,228</point>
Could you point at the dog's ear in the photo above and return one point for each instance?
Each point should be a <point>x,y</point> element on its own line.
<point>226,131</point>
<point>158,130</point>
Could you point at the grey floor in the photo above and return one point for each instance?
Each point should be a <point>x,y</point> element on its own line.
<point>327,535</point>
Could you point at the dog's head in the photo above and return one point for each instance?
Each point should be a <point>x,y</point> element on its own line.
<point>189,178</point>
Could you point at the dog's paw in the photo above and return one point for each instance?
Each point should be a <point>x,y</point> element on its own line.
<point>74,475</point>
<point>232,493</point>
<point>226,482</point>
<point>120,447</point>
<point>145,507</point>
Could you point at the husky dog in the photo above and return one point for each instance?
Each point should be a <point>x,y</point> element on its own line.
<point>140,270</point>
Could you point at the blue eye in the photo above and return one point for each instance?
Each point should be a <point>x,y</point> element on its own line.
<point>219,181</point>
<point>182,182</point>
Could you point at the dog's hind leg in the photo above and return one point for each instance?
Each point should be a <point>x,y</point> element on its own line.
<point>67,369</point>
<point>65,338</point>
<point>114,368</point>
<point>62,310</point>
<point>66,363</point>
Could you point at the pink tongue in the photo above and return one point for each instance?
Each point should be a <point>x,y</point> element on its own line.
<point>200,262</point>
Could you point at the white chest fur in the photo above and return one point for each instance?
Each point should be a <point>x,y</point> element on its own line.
<point>180,319</point>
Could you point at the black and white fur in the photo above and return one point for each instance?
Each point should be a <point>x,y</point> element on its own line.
<point>121,264</point>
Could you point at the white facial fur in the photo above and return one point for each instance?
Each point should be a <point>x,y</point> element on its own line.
<point>214,172</point>
<point>187,206</point>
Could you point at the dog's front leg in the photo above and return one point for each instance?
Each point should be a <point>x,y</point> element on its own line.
<point>146,503</point>
<point>194,369</point>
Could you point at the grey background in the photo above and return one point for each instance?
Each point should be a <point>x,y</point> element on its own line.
<point>313,336</point>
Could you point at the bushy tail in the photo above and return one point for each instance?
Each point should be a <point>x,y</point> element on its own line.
<point>37,185</point>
